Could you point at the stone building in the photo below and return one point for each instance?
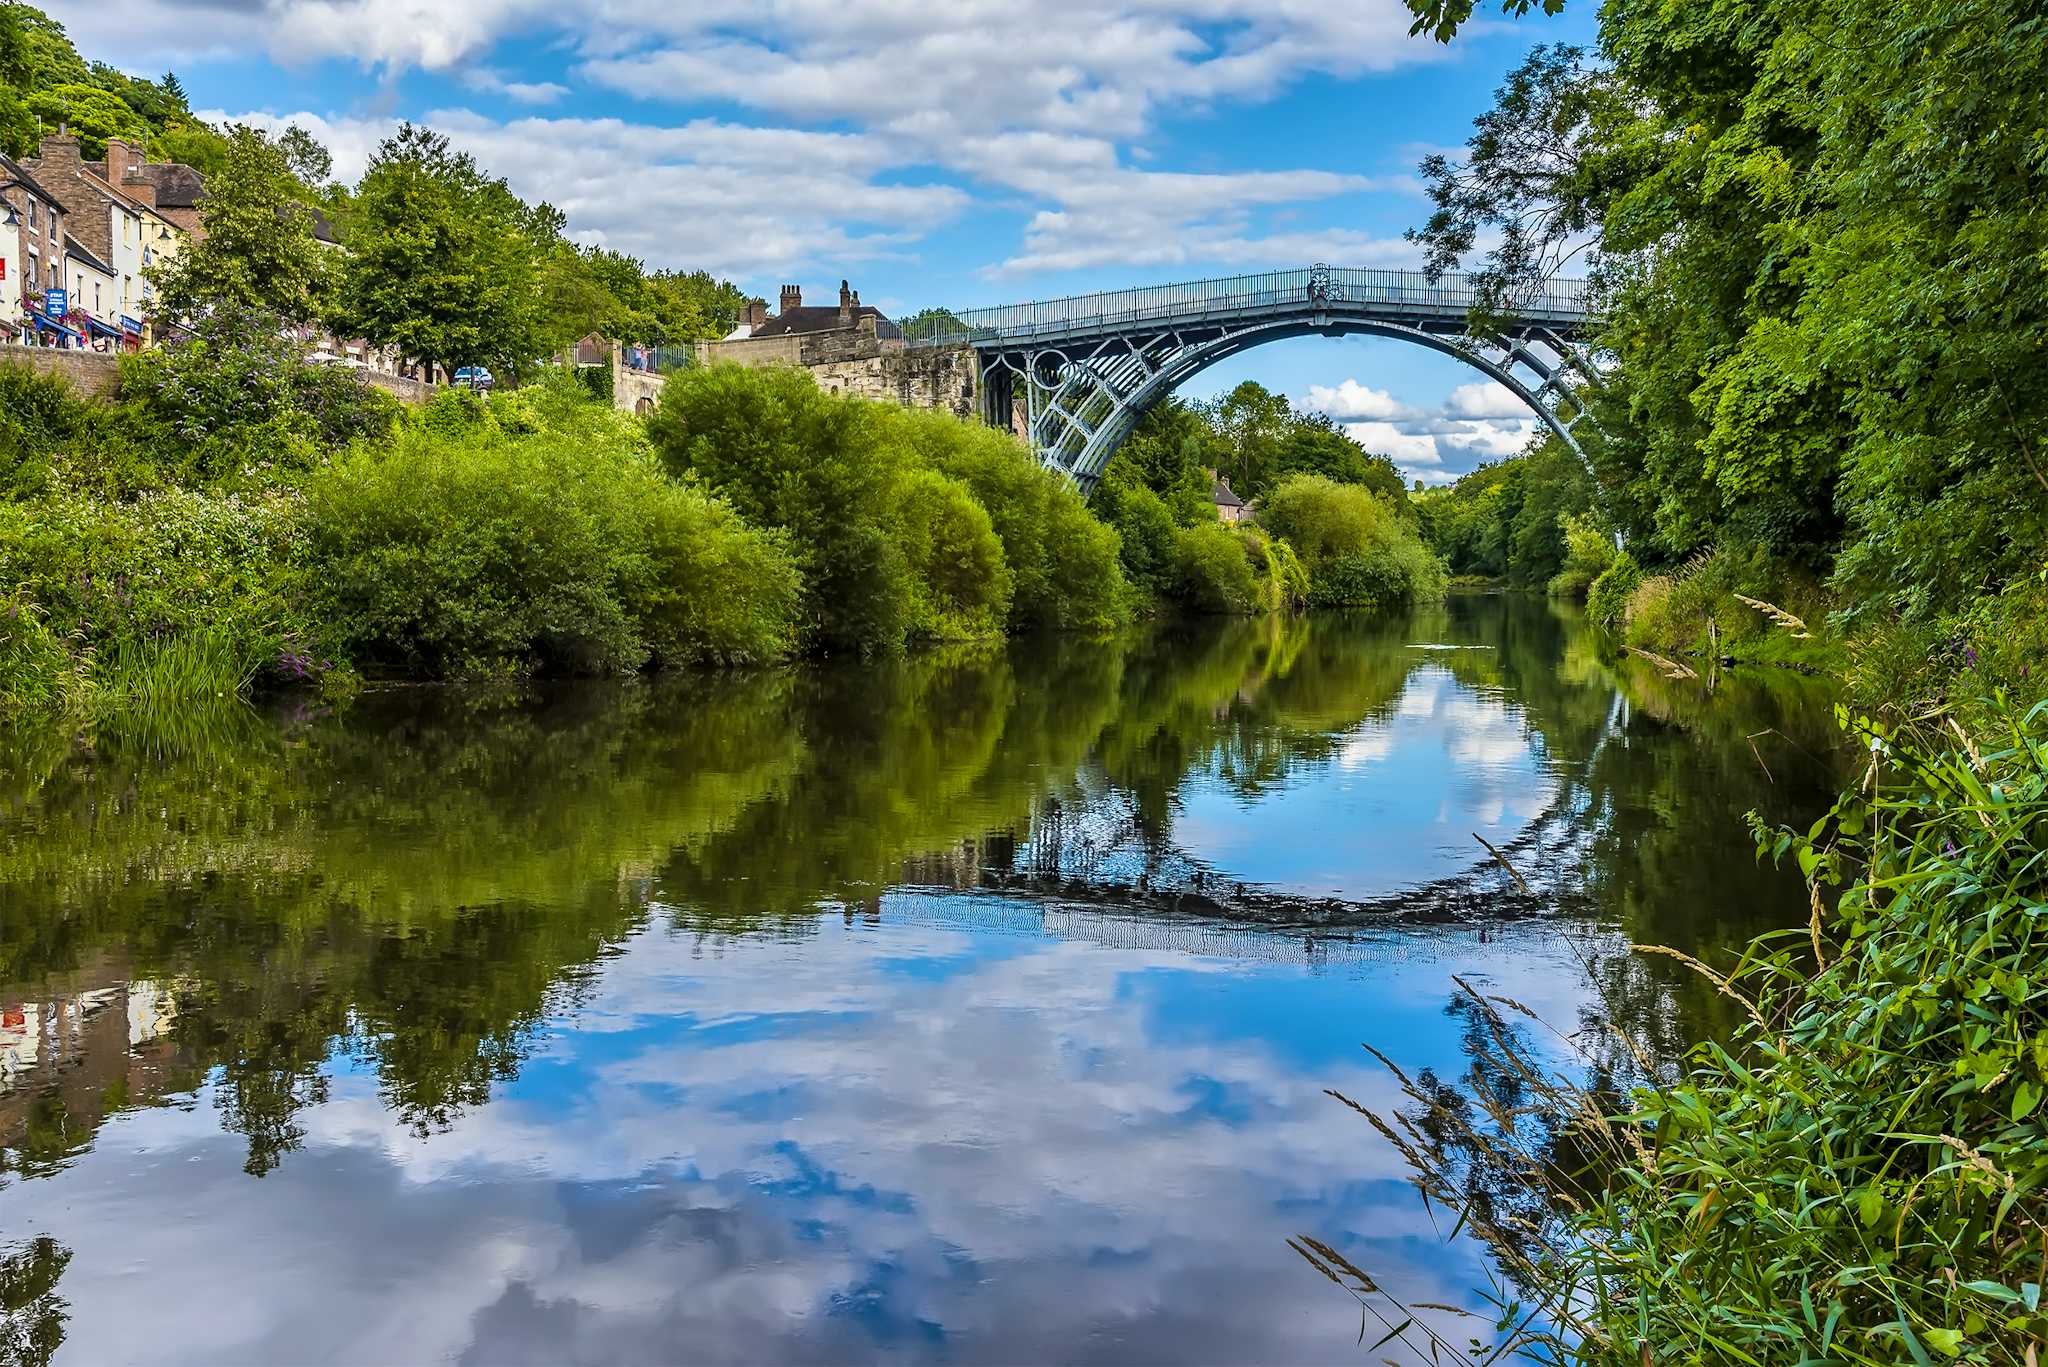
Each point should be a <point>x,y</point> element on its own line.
<point>849,348</point>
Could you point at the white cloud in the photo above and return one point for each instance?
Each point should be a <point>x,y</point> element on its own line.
<point>1354,400</point>
<point>489,82</point>
<point>702,194</point>
<point>1477,422</point>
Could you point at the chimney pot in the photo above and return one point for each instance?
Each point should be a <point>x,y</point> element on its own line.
<point>792,297</point>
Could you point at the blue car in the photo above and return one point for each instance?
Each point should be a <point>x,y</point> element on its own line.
<point>474,377</point>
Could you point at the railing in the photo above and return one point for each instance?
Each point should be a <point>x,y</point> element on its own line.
<point>658,360</point>
<point>1296,290</point>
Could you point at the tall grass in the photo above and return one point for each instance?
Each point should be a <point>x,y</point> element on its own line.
<point>1856,1178</point>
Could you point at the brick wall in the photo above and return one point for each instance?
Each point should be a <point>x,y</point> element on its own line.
<point>90,372</point>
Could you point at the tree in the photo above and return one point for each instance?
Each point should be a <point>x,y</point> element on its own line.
<point>258,250</point>
<point>89,112</point>
<point>444,261</point>
<point>1250,424</point>
<point>305,157</point>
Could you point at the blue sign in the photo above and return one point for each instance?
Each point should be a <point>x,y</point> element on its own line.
<point>131,325</point>
<point>56,303</point>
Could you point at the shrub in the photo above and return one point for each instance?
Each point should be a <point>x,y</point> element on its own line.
<point>175,594</point>
<point>960,584</point>
<point>1063,559</point>
<point>1607,599</point>
<point>239,402</point>
<point>1359,553</point>
<point>1282,578</point>
<point>1588,550</point>
<point>1145,531</point>
<point>1212,573</point>
<point>39,416</point>
<point>786,455</point>
<point>466,552</point>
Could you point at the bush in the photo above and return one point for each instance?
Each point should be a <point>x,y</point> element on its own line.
<point>959,582</point>
<point>1607,599</point>
<point>1588,550</point>
<point>1212,573</point>
<point>454,553</point>
<point>1146,534</point>
<point>1359,553</point>
<point>1282,578</point>
<point>173,595</point>
<point>239,402</point>
<point>39,416</point>
<point>1063,559</point>
<point>786,455</point>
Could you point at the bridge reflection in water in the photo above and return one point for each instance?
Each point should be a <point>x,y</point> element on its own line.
<point>1087,367</point>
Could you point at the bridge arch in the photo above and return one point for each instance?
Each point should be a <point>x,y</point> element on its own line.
<point>1087,368</point>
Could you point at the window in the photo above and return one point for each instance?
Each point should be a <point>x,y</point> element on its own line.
<point>31,211</point>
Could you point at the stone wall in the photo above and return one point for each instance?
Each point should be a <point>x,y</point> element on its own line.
<point>90,372</point>
<point>398,386</point>
<point>949,380</point>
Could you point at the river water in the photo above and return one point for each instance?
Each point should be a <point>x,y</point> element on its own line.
<point>975,1007</point>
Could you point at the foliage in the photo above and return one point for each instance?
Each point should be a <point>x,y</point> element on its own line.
<point>960,584</point>
<point>1705,608</point>
<point>1817,235</point>
<point>1357,551</point>
<point>787,455</point>
<point>463,549</point>
<point>39,417</point>
<point>1588,550</point>
<point>1166,453</point>
<point>172,596</point>
<point>1146,537</point>
<point>92,114</point>
<point>258,249</point>
<point>239,401</point>
<point>1608,598</point>
<point>1503,520</point>
<point>1212,572</point>
<point>444,260</point>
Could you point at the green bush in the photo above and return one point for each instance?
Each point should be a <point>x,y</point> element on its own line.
<point>1588,550</point>
<point>1282,578</point>
<point>238,402</point>
<point>1359,553</point>
<point>1146,532</point>
<point>1607,599</point>
<point>786,455</point>
<point>1212,573</point>
<point>171,595</point>
<point>1063,559</point>
<point>39,416</point>
<point>453,553</point>
<point>960,584</point>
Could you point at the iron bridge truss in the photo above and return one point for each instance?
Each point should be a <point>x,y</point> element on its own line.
<point>1084,370</point>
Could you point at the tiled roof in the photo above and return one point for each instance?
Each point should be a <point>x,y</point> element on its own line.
<point>1222,497</point>
<point>821,318</point>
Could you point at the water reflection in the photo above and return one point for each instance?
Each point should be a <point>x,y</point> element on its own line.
<point>612,1022</point>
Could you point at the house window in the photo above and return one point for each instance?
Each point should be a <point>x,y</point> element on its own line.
<point>31,211</point>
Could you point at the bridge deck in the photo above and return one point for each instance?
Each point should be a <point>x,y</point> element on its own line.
<point>1401,296</point>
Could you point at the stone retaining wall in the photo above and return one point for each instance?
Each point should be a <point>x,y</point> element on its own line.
<point>90,372</point>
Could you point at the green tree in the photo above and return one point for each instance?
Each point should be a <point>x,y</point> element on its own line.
<point>444,261</point>
<point>258,249</point>
<point>90,113</point>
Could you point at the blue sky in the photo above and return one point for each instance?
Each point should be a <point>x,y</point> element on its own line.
<point>959,154</point>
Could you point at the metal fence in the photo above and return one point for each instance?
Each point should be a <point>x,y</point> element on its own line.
<point>1562,301</point>
<point>658,360</point>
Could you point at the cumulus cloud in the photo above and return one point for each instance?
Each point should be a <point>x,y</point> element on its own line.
<point>702,194</point>
<point>1031,110</point>
<point>1477,422</point>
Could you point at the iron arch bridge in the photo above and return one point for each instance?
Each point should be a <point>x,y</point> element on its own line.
<point>1080,372</point>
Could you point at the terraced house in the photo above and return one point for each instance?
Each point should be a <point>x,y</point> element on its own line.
<point>113,211</point>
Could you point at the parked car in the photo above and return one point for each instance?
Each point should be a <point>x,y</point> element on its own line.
<point>475,377</point>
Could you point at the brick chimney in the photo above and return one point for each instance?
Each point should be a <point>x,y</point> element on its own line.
<point>124,160</point>
<point>792,298</point>
<point>845,305</point>
<point>757,312</point>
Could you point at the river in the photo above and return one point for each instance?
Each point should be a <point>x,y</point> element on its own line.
<point>975,1007</point>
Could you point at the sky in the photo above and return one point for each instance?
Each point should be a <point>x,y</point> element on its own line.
<point>957,154</point>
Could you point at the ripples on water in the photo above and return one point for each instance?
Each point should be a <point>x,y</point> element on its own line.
<point>974,1008</point>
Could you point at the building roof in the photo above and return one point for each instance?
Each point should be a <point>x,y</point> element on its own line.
<point>178,186</point>
<point>72,247</point>
<point>822,318</point>
<point>16,171</point>
<point>1222,497</point>
<point>323,227</point>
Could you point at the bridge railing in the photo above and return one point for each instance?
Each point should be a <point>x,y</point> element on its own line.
<point>1232,296</point>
